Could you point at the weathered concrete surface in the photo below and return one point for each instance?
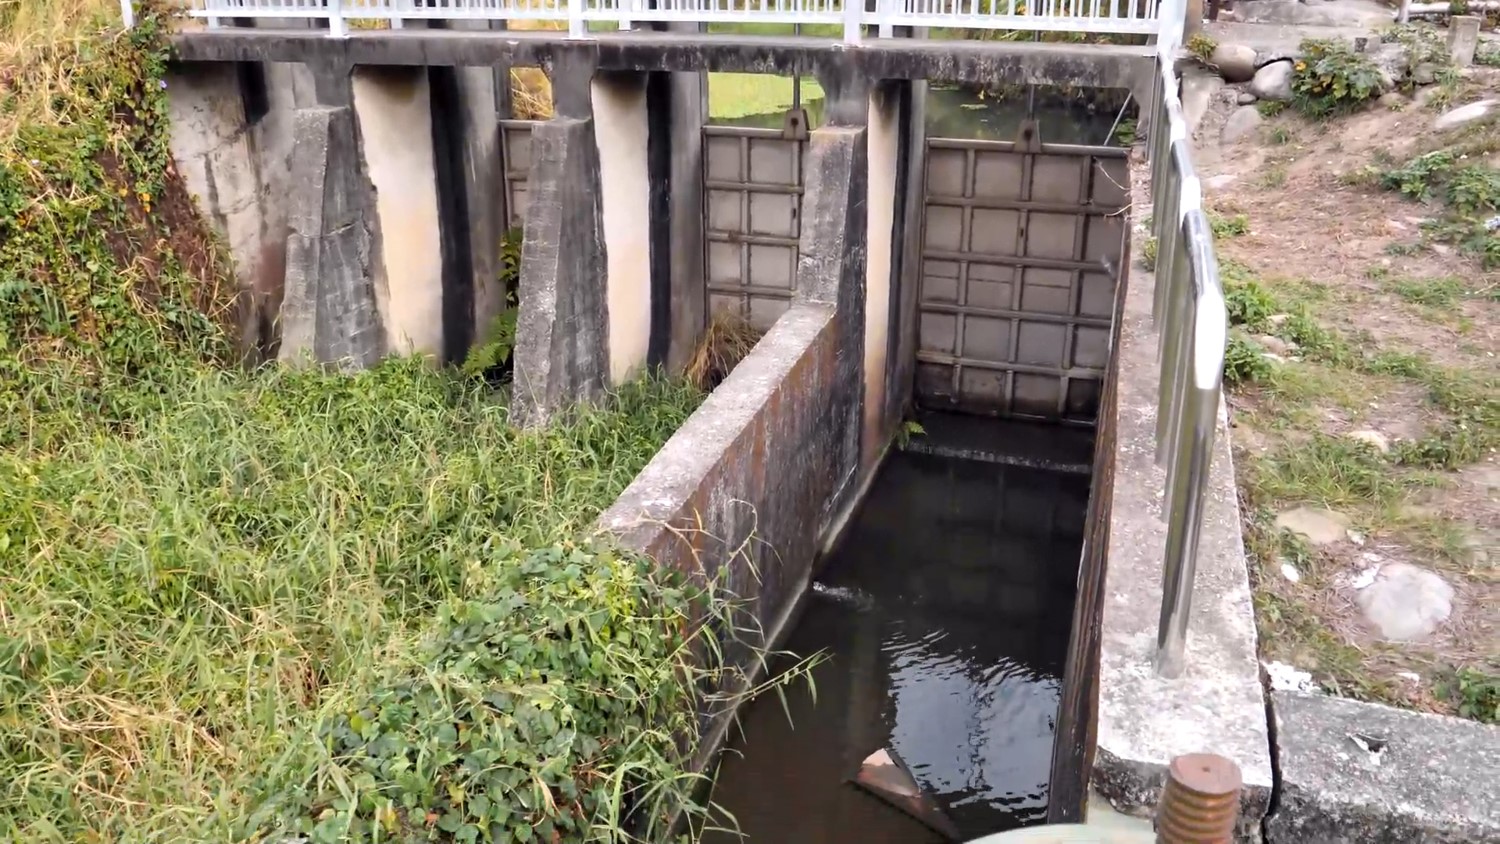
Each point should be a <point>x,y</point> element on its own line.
<point>1217,705</point>
<point>622,135</point>
<point>738,492</point>
<point>1088,65</point>
<point>394,106</point>
<point>901,376</point>
<point>831,270</point>
<point>329,313</point>
<point>562,334</point>
<point>687,306</point>
<point>1435,782</point>
<point>749,487</point>
<point>884,146</point>
<point>236,165</point>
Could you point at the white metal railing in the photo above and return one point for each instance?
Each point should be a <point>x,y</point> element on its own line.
<point>1189,313</point>
<point>1097,16</point>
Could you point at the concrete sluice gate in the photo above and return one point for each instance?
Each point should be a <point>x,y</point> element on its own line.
<point>976,288</point>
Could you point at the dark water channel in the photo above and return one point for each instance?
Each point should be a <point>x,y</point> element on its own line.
<point>945,613</point>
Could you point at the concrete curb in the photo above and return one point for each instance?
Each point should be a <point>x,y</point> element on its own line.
<point>1434,779</point>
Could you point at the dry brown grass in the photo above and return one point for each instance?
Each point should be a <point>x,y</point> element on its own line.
<point>727,341</point>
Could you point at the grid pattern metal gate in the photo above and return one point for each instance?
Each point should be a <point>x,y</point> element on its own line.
<point>515,152</point>
<point>1016,301</point>
<point>753,204</point>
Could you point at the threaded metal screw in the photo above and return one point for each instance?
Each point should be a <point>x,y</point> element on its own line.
<point>1200,802</point>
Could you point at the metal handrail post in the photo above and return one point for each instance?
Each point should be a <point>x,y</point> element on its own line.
<point>577,26</point>
<point>127,11</point>
<point>853,11</point>
<point>1187,488</point>
<point>337,28</point>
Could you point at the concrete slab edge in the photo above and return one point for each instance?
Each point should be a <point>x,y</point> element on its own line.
<point>1363,772</point>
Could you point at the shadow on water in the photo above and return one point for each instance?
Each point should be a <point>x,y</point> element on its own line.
<point>946,613</point>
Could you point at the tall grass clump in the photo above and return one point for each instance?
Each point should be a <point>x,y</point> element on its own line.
<point>288,604</point>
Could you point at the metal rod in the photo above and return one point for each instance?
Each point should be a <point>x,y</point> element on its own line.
<point>1118,117</point>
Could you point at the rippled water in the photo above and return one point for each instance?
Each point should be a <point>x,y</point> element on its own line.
<point>946,612</point>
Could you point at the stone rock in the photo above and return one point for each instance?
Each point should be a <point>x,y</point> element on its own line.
<point>1246,98</point>
<point>1199,88</point>
<point>1219,182</point>
<point>1374,439</point>
<point>1275,345</point>
<point>1406,603</point>
<point>1392,101</point>
<point>1315,524</point>
<point>1424,73</point>
<point>1462,115</point>
<point>1425,96</point>
<point>1242,122</point>
<point>1236,62</point>
<point>1273,82</point>
<point>1278,319</point>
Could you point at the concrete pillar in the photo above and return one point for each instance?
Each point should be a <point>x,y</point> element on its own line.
<point>394,107</point>
<point>831,271</point>
<point>884,148</point>
<point>562,340</point>
<point>1463,38</point>
<point>686,304</point>
<point>622,135</point>
<point>329,312</point>
<point>912,193</point>
<point>467,103</point>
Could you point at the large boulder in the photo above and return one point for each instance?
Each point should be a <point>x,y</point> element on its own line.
<point>1273,82</point>
<point>1236,62</point>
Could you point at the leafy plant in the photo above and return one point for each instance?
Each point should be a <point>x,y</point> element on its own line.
<point>909,428</point>
<point>1330,78</point>
<point>1270,108</point>
<point>1229,226</point>
<point>1148,253</point>
<point>1126,133</point>
<point>1244,361</point>
<point>1202,46</point>
<point>491,355</point>
<point>1247,302</point>
<point>1476,694</point>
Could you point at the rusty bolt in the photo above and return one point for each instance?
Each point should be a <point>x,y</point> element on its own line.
<point>1200,802</point>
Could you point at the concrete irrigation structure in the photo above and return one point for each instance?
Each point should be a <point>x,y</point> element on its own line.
<point>364,183</point>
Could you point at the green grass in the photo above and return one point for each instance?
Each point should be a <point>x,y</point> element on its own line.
<point>249,563</point>
<point>732,96</point>
<point>241,604</point>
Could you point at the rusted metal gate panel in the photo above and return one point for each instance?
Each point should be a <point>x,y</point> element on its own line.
<point>1016,301</point>
<point>515,151</point>
<point>753,204</point>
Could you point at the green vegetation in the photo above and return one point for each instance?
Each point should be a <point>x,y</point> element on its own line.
<point>490,356</point>
<point>1297,461</point>
<point>1202,46</point>
<point>732,96</point>
<point>1476,693</point>
<point>239,605</point>
<point>1468,190</point>
<point>1332,79</point>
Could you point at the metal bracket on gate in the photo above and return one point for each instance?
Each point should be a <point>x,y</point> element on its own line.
<point>1029,136</point>
<point>794,124</point>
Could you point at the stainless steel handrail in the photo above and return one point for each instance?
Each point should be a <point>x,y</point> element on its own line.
<point>1189,314</point>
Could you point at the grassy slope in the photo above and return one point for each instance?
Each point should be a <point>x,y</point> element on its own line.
<point>237,602</point>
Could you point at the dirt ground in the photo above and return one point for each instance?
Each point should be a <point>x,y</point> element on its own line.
<point>1410,363</point>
